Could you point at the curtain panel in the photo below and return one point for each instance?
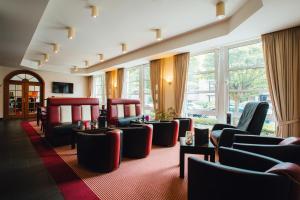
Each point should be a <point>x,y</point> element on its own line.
<point>108,84</point>
<point>282,59</point>
<point>120,82</point>
<point>181,65</point>
<point>156,79</point>
<point>90,86</point>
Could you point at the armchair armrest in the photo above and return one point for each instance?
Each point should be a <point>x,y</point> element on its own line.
<point>255,139</point>
<point>285,153</point>
<point>222,126</point>
<point>228,135</point>
<point>245,160</point>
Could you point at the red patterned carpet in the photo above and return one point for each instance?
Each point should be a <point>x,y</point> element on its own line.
<point>154,177</point>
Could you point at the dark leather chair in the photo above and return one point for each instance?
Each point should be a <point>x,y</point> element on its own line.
<point>251,122</point>
<point>242,175</point>
<point>137,141</point>
<point>185,124</point>
<point>165,133</point>
<point>287,150</point>
<point>100,152</point>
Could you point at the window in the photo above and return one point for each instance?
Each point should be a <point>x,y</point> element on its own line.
<point>133,83</point>
<point>247,81</point>
<point>223,81</point>
<point>137,86</point>
<point>200,101</point>
<point>99,91</point>
<point>148,102</point>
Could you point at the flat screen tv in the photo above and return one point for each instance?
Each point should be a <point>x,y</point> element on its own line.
<point>59,87</point>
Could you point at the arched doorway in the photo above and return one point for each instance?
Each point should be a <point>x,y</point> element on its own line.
<point>23,94</point>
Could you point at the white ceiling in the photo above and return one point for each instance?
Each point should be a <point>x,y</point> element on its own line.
<point>128,21</point>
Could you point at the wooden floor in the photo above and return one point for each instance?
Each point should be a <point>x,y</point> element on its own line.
<point>22,173</point>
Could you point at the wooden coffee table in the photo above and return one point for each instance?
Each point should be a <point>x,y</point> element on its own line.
<point>208,150</point>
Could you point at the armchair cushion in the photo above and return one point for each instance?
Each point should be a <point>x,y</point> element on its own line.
<point>290,140</point>
<point>225,137</point>
<point>222,126</point>
<point>256,139</point>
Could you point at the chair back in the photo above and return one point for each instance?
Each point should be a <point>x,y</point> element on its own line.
<point>253,117</point>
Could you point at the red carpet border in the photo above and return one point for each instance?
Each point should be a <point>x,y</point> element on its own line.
<point>70,185</point>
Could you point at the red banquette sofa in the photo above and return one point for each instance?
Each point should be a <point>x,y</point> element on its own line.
<point>121,111</point>
<point>63,115</point>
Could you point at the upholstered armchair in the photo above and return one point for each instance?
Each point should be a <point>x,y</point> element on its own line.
<point>251,122</point>
<point>287,150</point>
<point>165,133</point>
<point>185,124</point>
<point>101,151</point>
<point>242,175</point>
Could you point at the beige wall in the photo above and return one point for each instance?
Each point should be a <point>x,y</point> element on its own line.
<point>80,84</point>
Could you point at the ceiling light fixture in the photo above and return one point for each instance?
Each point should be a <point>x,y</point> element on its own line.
<point>71,32</point>
<point>158,34</point>
<point>220,10</point>
<point>101,57</point>
<point>39,63</point>
<point>124,48</point>
<point>55,48</point>
<point>95,11</point>
<point>75,69</point>
<point>46,57</point>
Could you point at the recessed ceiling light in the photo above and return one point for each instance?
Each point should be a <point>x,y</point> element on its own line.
<point>55,48</point>
<point>158,34</point>
<point>220,10</point>
<point>124,48</point>
<point>46,57</point>
<point>101,57</point>
<point>94,11</point>
<point>71,33</point>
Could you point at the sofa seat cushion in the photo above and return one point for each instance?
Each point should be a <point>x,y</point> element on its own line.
<point>215,136</point>
<point>290,140</point>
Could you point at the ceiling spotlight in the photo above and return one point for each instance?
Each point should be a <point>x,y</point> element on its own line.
<point>86,62</point>
<point>124,48</point>
<point>39,63</point>
<point>71,32</point>
<point>101,57</point>
<point>158,34</point>
<point>75,69</point>
<point>46,57</point>
<point>55,48</point>
<point>220,10</point>
<point>95,11</point>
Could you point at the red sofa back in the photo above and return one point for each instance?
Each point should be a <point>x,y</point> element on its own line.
<point>122,108</point>
<point>60,110</point>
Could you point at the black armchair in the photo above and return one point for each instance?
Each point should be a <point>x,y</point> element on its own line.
<point>185,124</point>
<point>241,175</point>
<point>287,150</point>
<point>251,122</point>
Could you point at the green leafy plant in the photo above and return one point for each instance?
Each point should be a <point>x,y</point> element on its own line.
<point>168,115</point>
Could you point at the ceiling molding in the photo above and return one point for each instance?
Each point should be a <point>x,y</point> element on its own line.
<point>215,30</point>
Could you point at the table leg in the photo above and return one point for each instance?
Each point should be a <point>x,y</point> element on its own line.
<point>212,157</point>
<point>181,163</point>
<point>206,157</point>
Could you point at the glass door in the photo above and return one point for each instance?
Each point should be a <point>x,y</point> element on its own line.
<point>16,100</point>
<point>32,99</point>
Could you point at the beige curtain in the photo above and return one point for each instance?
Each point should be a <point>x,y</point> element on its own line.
<point>181,65</point>
<point>90,86</point>
<point>120,80</point>
<point>108,84</point>
<point>282,58</point>
<point>156,79</point>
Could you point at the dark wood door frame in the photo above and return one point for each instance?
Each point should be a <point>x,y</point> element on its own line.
<point>6,88</point>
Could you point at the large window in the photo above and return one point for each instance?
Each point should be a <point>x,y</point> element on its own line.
<point>224,80</point>
<point>247,81</point>
<point>200,97</point>
<point>99,91</point>
<point>137,84</point>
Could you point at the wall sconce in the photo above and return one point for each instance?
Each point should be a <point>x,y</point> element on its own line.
<point>115,84</point>
<point>169,80</point>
